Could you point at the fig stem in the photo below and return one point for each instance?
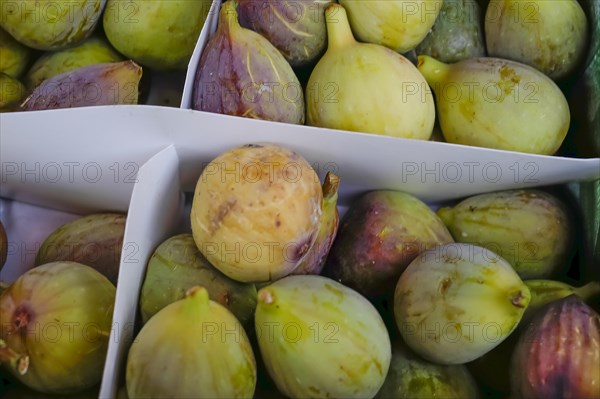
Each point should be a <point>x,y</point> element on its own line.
<point>16,360</point>
<point>339,33</point>
<point>433,70</point>
<point>229,16</point>
<point>330,185</point>
<point>588,291</point>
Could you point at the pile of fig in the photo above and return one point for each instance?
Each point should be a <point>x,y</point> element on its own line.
<point>490,73</point>
<point>274,294</point>
<point>65,54</point>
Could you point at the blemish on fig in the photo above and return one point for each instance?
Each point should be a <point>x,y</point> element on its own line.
<point>21,318</point>
<point>266,297</point>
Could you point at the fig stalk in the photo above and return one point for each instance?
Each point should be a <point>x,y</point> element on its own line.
<point>17,361</point>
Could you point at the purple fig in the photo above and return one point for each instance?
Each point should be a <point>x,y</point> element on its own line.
<point>241,73</point>
<point>296,28</point>
<point>558,355</point>
<point>99,84</point>
<point>379,237</point>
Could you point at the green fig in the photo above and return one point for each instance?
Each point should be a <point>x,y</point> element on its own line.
<point>92,85</point>
<point>192,348</point>
<point>60,315</point>
<point>160,34</point>
<point>496,103</point>
<point>457,34</point>
<point>296,28</point>
<point>531,229</point>
<point>558,355</point>
<point>320,339</point>
<point>544,292</point>
<point>241,73</point>
<point>12,92</point>
<point>14,57</point>
<point>256,212</point>
<point>176,266</point>
<point>367,87</point>
<point>397,24</point>
<point>50,24</point>
<point>317,255</point>
<point>412,377</point>
<point>92,51</point>
<point>379,236</point>
<point>456,302</point>
<point>94,240</point>
<point>551,36</point>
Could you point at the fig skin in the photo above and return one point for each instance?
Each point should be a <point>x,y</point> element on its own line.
<point>241,73</point>
<point>558,355</point>
<point>192,348</point>
<point>14,56</point>
<point>321,339</point>
<point>531,229</point>
<point>12,92</point>
<point>549,36</point>
<point>94,240</point>
<point>296,29</point>
<point>94,50</point>
<point>51,25</point>
<point>92,85</point>
<point>256,212</point>
<point>59,313</point>
<point>176,266</point>
<point>3,246</point>
<point>379,236</point>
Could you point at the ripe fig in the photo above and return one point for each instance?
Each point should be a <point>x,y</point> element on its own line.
<point>296,28</point>
<point>192,348</point>
<point>317,255</point>
<point>176,266</point>
<point>159,34</point>
<point>241,73</point>
<point>544,292</point>
<point>397,24</point>
<point>60,315</point>
<point>379,236</point>
<point>256,212</point>
<point>93,240</point>
<point>93,85</point>
<point>551,36</point>
<point>320,339</point>
<point>12,93</point>
<point>14,56</point>
<point>51,25</point>
<point>558,355</point>
<point>531,229</point>
<point>92,51</point>
<point>412,377</point>
<point>367,88</point>
<point>456,302</point>
<point>470,94</point>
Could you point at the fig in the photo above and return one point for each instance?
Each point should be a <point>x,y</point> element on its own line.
<point>397,24</point>
<point>367,88</point>
<point>558,355</point>
<point>256,212</point>
<point>51,24</point>
<point>412,377</point>
<point>496,103</point>
<point>379,236</point>
<point>92,85</point>
<point>456,302</point>
<point>241,73</point>
<point>12,93</point>
<point>457,34</point>
<point>320,339</point>
<point>14,57</point>
<point>159,34</point>
<point>60,315</point>
<point>92,51</point>
<point>192,348</point>
<point>544,292</point>
<point>317,255</point>
<point>176,266</point>
<point>296,29</point>
<point>94,240</point>
<point>3,246</point>
<point>551,36</point>
<point>531,229</point>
